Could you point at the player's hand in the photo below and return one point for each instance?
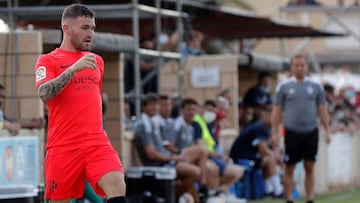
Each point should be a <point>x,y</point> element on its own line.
<point>328,137</point>
<point>179,158</point>
<point>37,122</point>
<point>275,140</point>
<point>87,61</point>
<point>14,128</point>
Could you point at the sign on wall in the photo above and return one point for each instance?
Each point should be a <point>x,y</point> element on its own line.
<point>19,166</point>
<point>205,77</point>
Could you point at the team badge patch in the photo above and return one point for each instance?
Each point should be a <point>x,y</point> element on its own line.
<point>40,73</point>
<point>310,90</point>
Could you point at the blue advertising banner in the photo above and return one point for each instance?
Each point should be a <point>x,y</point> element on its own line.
<point>19,165</point>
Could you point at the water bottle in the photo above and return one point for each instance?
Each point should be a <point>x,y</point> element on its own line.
<point>1,120</point>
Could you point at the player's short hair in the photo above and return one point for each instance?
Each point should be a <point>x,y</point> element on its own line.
<point>297,56</point>
<point>263,75</point>
<point>210,102</point>
<point>187,101</point>
<point>150,98</point>
<point>74,11</point>
<point>2,87</point>
<point>164,97</point>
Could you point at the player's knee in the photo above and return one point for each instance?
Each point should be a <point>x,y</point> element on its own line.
<point>238,171</point>
<point>309,168</point>
<point>113,183</point>
<point>196,172</point>
<point>203,151</point>
<point>235,172</point>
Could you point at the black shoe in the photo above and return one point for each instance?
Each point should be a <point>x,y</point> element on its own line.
<point>203,193</point>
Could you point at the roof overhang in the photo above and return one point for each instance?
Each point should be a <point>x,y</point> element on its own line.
<point>235,23</point>
<point>213,20</point>
<point>338,59</point>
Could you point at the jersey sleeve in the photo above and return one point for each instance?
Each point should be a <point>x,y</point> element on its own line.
<point>279,96</point>
<point>320,99</point>
<point>44,70</point>
<point>197,131</point>
<point>101,66</point>
<point>143,136</point>
<point>269,99</point>
<point>261,135</point>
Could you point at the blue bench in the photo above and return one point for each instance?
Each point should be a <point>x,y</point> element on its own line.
<point>251,185</point>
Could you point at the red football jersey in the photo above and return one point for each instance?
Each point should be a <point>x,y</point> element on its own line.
<point>75,116</point>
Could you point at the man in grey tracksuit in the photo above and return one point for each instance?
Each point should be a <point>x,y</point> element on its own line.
<point>298,103</point>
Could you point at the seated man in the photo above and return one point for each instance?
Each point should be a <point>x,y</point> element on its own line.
<point>178,135</point>
<point>184,141</point>
<point>229,173</point>
<point>152,152</point>
<point>252,144</point>
<point>179,139</point>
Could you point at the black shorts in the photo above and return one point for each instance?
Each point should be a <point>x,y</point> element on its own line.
<point>300,146</point>
<point>220,163</point>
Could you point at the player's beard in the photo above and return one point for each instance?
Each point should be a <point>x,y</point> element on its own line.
<point>81,45</point>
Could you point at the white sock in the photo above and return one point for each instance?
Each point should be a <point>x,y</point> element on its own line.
<point>269,187</point>
<point>275,181</point>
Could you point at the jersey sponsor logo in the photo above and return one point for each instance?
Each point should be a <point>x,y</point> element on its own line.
<point>286,158</point>
<point>40,73</point>
<point>85,79</point>
<point>255,142</point>
<point>85,82</point>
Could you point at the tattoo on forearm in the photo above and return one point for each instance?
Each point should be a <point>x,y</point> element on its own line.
<point>53,87</point>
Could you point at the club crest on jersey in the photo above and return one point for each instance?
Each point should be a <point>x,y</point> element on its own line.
<point>40,73</point>
<point>291,91</point>
<point>310,90</point>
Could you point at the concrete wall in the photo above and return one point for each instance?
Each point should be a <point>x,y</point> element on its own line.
<point>228,77</point>
<point>18,54</point>
<point>338,163</point>
<point>113,87</point>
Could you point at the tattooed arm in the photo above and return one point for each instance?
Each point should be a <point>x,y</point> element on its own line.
<point>51,88</point>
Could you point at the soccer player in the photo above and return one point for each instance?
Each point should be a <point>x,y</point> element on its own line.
<point>69,81</point>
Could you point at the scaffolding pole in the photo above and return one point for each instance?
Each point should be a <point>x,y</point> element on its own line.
<point>180,31</point>
<point>137,72</point>
<point>159,61</point>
